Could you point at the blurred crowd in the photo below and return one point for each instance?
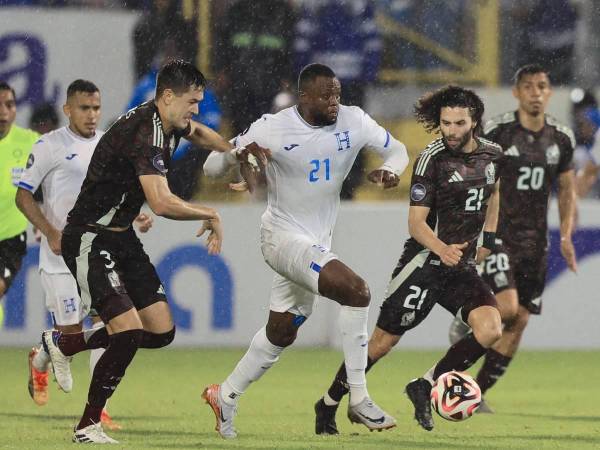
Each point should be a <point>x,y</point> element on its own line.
<point>258,47</point>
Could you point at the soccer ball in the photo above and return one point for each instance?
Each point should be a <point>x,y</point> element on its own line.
<point>455,396</point>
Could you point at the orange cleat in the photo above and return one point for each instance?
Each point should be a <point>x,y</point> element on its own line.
<point>38,381</point>
<point>108,423</point>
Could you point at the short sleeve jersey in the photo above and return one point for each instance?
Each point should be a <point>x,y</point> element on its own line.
<point>58,164</point>
<point>534,161</point>
<point>135,145</point>
<point>14,150</point>
<point>457,187</point>
<point>309,164</point>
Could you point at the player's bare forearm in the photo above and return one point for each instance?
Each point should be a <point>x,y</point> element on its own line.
<point>30,209</point>
<point>491,216</point>
<point>421,231</point>
<point>166,204</point>
<point>204,137</point>
<point>586,178</point>
<point>567,201</point>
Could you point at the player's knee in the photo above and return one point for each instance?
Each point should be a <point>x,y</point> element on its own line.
<point>487,325</point>
<point>157,340</point>
<point>360,294</point>
<point>281,336</point>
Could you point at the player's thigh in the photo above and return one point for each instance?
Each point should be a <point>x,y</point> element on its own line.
<point>466,291</point>
<point>530,277</point>
<point>94,260</point>
<point>288,296</point>
<point>296,257</point>
<point>410,296</point>
<point>12,252</point>
<point>143,284</point>
<point>62,298</point>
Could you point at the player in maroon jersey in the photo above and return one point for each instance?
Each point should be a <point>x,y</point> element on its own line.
<point>454,184</point>
<point>539,153</point>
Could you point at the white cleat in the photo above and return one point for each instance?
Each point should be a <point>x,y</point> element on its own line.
<point>370,415</point>
<point>224,413</point>
<point>61,364</point>
<point>92,434</point>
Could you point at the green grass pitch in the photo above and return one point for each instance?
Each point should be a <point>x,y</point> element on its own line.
<point>547,400</point>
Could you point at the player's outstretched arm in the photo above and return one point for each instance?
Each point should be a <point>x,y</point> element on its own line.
<point>418,228</point>
<point>30,209</point>
<point>204,137</point>
<point>566,210</point>
<point>586,178</point>
<point>395,160</point>
<point>166,204</point>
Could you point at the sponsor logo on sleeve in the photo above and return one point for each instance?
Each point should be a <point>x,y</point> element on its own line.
<point>30,161</point>
<point>417,192</point>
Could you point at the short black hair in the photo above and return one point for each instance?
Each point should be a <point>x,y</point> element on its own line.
<point>80,85</point>
<point>529,69</point>
<point>43,113</point>
<point>309,73</point>
<point>4,86</point>
<point>427,109</point>
<point>178,75</point>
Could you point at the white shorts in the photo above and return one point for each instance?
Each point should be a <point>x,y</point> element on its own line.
<point>298,261</point>
<point>62,298</point>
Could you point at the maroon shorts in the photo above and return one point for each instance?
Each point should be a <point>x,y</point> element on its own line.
<point>419,284</point>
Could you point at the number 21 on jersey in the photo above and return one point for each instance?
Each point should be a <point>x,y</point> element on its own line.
<point>321,170</point>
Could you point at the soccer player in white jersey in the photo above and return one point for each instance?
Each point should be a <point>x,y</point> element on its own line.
<point>58,164</point>
<point>313,146</point>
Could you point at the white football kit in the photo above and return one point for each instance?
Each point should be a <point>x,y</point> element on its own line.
<point>304,178</point>
<point>58,163</point>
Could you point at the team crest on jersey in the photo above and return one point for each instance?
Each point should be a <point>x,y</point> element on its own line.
<point>407,319</point>
<point>30,161</point>
<point>417,192</point>
<point>552,154</point>
<point>159,163</point>
<point>490,173</point>
<point>500,279</point>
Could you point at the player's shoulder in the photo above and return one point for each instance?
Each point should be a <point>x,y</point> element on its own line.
<point>490,145</point>
<point>25,135</point>
<point>430,153</point>
<point>433,149</point>
<point>561,129</point>
<point>500,121</point>
<point>52,139</point>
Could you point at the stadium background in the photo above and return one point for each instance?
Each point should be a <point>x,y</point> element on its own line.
<point>221,301</point>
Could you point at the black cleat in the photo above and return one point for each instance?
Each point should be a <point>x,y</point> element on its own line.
<point>325,418</point>
<point>419,393</point>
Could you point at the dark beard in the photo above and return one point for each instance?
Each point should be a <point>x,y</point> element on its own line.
<point>465,139</point>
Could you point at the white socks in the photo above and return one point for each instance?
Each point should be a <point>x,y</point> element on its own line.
<point>258,359</point>
<point>41,360</point>
<point>353,325</point>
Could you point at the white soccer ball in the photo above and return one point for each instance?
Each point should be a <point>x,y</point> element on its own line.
<point>455,396</point>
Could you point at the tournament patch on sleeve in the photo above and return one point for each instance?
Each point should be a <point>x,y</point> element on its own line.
<point>417,192</point>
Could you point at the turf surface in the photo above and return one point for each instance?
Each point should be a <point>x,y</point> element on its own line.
<point>547,400</point>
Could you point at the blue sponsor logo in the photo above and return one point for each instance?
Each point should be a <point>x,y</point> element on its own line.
<point>71,156</point>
